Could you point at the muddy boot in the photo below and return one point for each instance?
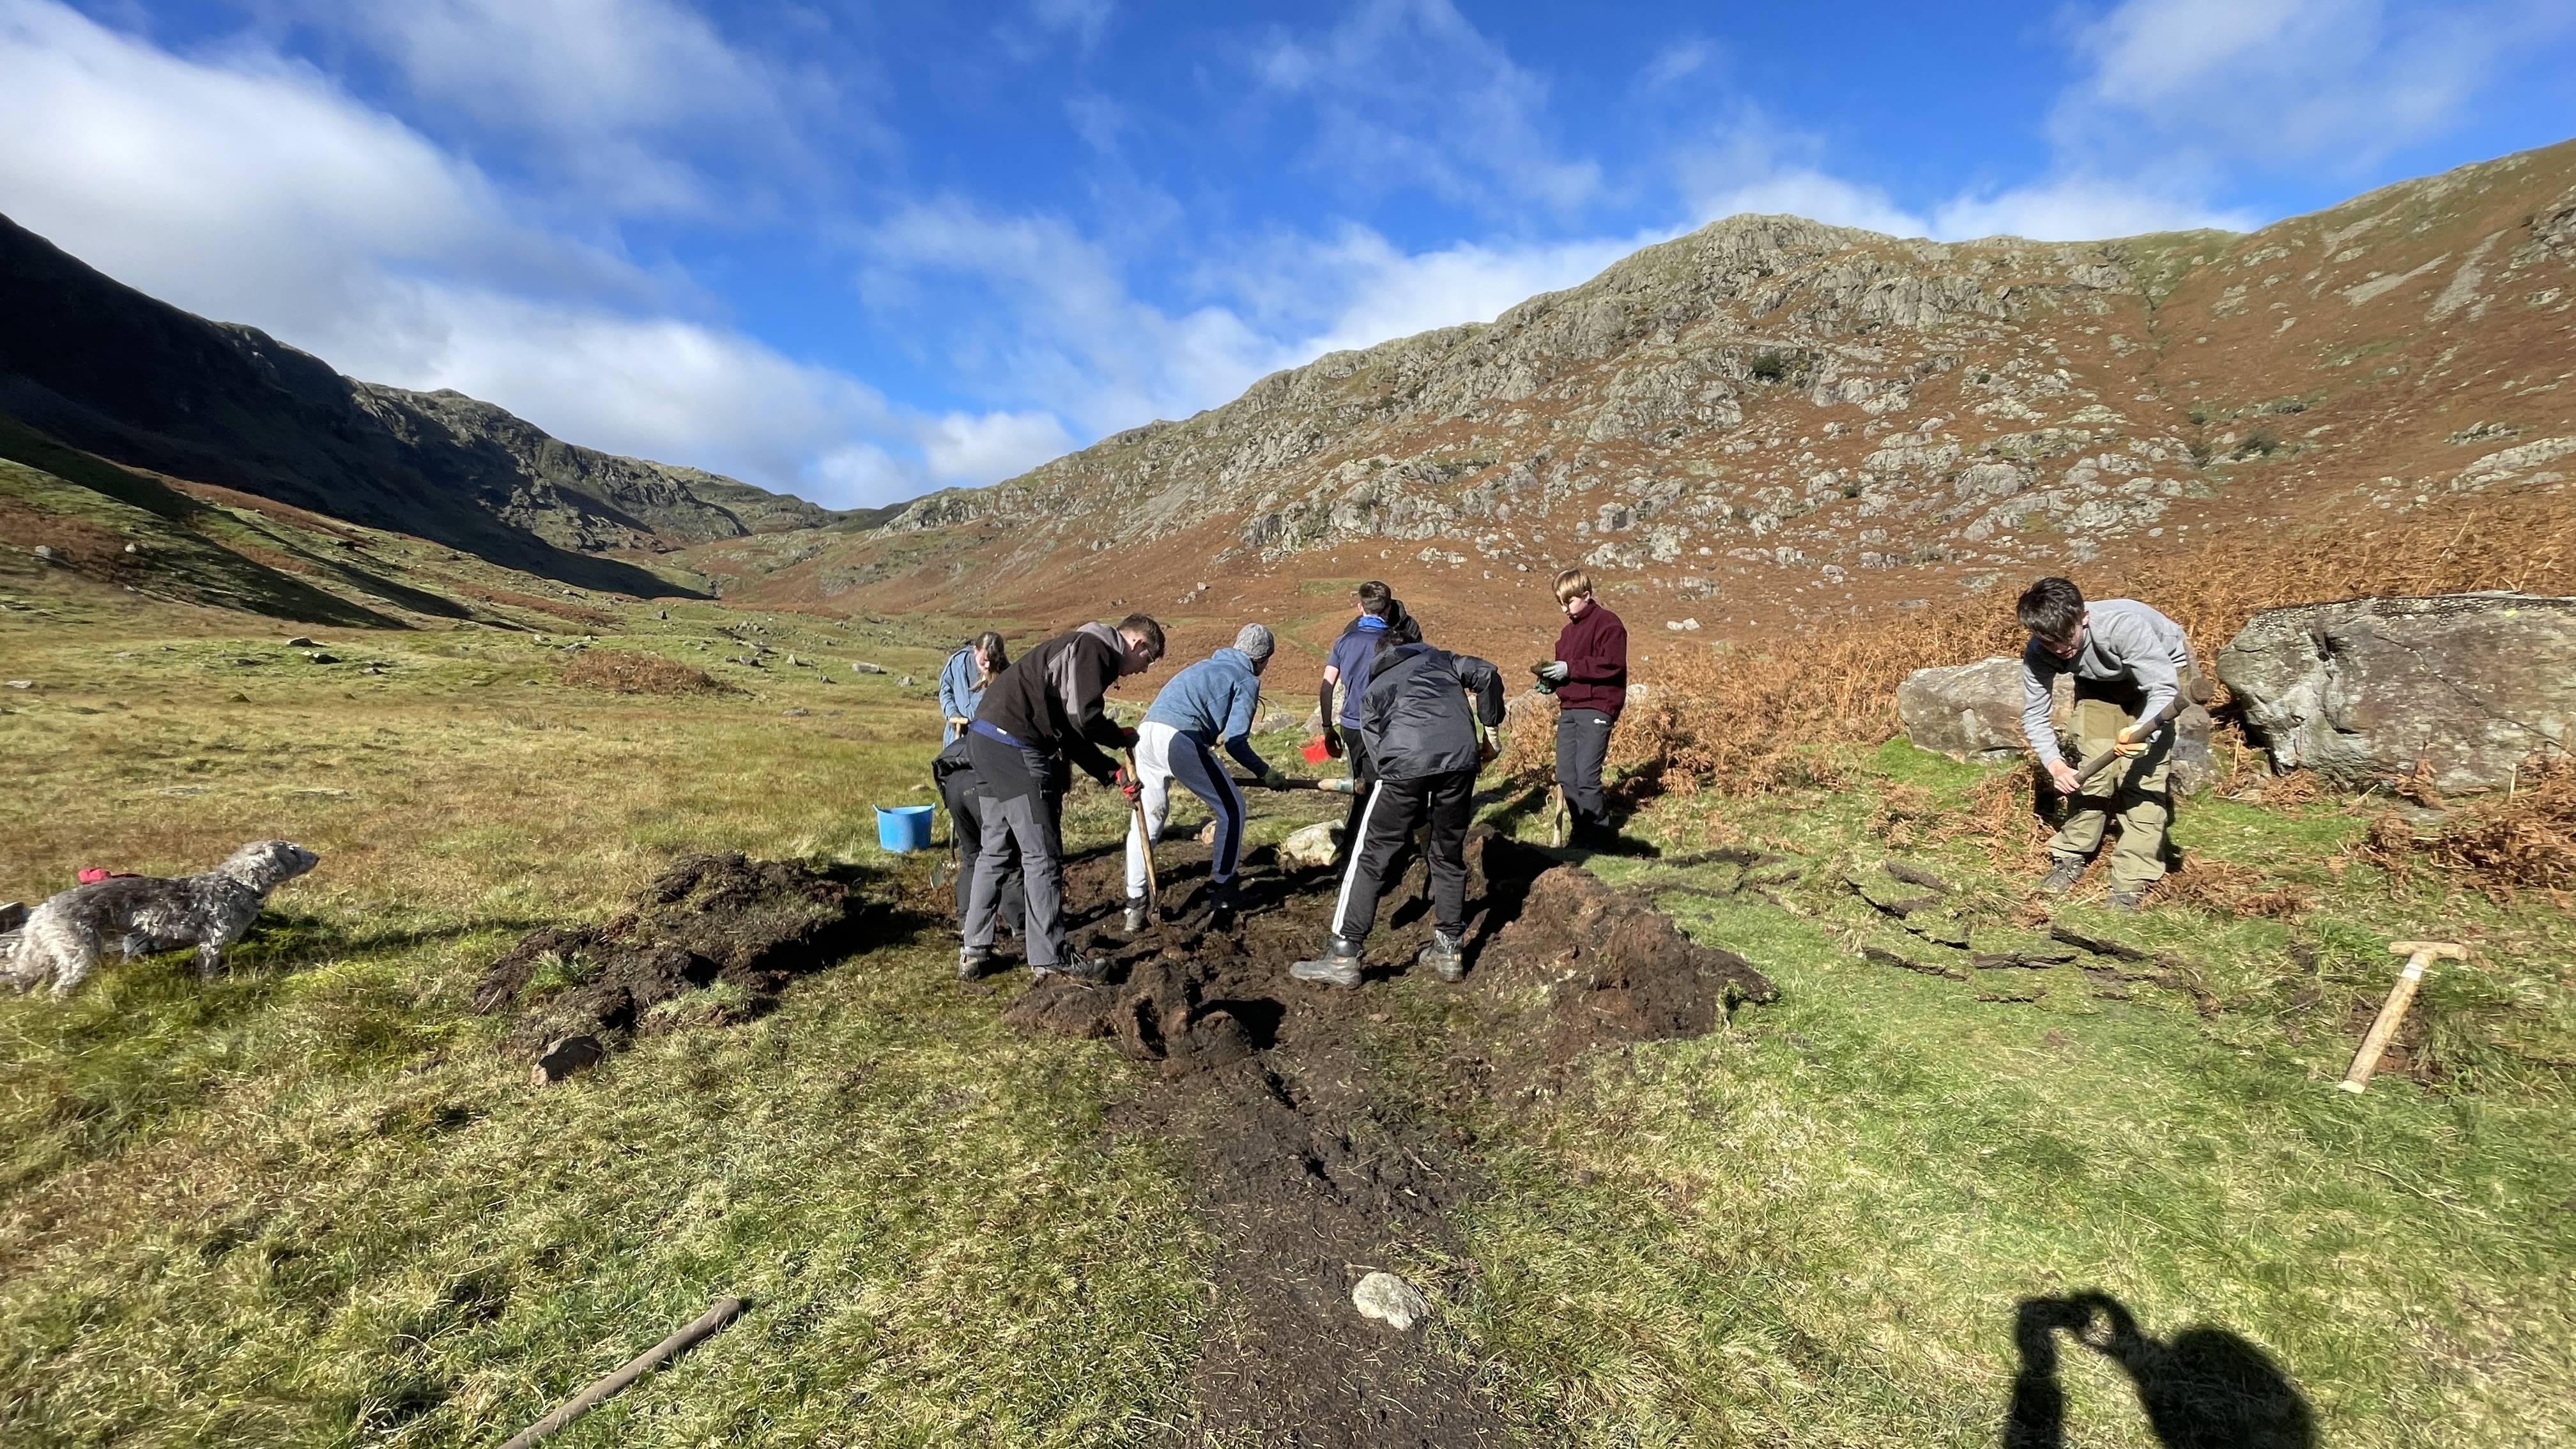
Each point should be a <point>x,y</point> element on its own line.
<point>2063,875</point>
<point>973,962</point>
<point>1139,915</point>
<point>1338,966</point>
<point>1222,905</point>
<point>1446,956</point>
<point>1075,965</point>
<point>2124,901</point>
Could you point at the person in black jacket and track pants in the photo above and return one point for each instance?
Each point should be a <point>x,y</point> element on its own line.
<point>1423,749</point>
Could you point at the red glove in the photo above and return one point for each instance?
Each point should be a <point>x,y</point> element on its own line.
<point>1126,784</point>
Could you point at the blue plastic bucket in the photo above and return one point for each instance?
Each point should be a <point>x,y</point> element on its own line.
<point>904,827</point>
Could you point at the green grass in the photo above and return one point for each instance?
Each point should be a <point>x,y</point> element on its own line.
<point>312,1204</point>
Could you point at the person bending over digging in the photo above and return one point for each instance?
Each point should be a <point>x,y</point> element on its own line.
<point>963,678</point>
<point>1589,678</point>
<point>1036,717</point>
<point>1209,701</point>
<point>1381,616</point>
<point>2128,661</point>
<point>1423,749</point>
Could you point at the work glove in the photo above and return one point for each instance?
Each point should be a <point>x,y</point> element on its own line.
<point>1127,737</point>
<point>1126,784</point>
<point>2125,747</point>
<point>1332,742</point>
<point>1552,674</point>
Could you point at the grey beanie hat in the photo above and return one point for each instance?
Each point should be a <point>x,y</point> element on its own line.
<point>1255,642</point>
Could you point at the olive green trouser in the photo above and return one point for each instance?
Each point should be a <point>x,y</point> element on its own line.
<point>2136,790</point>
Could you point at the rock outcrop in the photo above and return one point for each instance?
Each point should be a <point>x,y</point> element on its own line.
<point>2470,684</point>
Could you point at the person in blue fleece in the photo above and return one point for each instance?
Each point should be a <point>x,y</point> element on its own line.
<point>1207,702</point>
<point>962,681</point>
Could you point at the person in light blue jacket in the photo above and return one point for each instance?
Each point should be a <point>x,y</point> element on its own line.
<point>962,680</point>
<point>1208,702</point>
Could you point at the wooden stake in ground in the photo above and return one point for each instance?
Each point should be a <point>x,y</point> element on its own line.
<point>724,1312</point>
<point>2418,954</point>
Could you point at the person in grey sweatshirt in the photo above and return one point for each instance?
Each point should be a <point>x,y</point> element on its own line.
<point>2128,661</point>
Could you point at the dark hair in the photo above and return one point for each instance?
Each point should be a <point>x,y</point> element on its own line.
<point>997,655</point>
<point>1143,627</point>
<point>1374,597</point>
<point>2051,608</point>
<point>1401,626</point>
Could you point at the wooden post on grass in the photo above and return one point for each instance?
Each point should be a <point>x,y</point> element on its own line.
<point>724,1312</point>
<point>2374,1043</point>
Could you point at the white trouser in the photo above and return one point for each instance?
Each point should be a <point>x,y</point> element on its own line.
<point>1159,748</point>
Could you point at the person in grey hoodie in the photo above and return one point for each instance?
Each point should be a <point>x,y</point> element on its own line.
<point>2128,661</point>
<point>1424,749</point>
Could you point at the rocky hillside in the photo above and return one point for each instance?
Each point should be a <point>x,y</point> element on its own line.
<point>109,370</point>
<point>1769,419</point>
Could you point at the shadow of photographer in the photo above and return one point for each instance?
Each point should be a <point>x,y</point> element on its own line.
<point>2205,1388</point>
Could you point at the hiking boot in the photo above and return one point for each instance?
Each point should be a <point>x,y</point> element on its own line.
<point>2063,875</point>
<point>1446,956</point>
<point>1338,966</point>
<point>2124,901</point>
<point>1075,965</point>
<point>1138,915</point>
<point>973,962</point>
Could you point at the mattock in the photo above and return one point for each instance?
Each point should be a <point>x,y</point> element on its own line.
<point>2419,955</point>
<point>1145,838</point>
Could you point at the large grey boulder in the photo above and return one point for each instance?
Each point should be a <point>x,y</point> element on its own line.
<point>1965,711</point>
<point>2469,683</point>
<point>1973,712</point>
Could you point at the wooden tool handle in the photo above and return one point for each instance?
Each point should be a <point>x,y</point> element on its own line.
<point>1145,840</point>
<point>2138,731</point>
<point>2419,955</point>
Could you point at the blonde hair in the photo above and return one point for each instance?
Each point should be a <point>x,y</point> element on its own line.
<point>1571,583</point>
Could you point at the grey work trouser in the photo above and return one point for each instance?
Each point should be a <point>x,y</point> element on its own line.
<point>1582,743</point>
<point>1022,826</point>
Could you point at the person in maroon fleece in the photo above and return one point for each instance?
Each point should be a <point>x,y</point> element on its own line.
<point>1590,681</point>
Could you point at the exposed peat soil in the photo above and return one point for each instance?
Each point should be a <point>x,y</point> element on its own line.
<point>712,941</point>
<point>1306,1132</point>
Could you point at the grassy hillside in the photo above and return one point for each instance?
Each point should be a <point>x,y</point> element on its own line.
<point>313,1204</point>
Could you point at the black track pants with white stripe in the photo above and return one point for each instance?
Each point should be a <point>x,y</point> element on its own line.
<point>1387,819</point>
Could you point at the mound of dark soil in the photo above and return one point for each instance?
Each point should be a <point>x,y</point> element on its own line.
<point>1314,1161</point>
<point>713,941</point>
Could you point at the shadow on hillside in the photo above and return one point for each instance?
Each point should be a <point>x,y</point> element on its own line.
<point>2205,1388</point>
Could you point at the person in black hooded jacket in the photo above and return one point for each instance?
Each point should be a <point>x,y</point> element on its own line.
<point>1038,716</point>
<point>1424,748</point>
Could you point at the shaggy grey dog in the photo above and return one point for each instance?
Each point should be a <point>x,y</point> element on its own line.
<point>139,915</point>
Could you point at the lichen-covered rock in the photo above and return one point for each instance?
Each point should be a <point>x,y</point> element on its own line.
<point>1965,711</point>
<point>2471,684</point>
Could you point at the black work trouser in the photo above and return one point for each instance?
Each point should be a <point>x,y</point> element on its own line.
<point>1357,754</point>
<point>1582,743</point>
<point>1388,813</point>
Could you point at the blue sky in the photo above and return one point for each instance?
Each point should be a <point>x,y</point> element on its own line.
<point>860,251</point>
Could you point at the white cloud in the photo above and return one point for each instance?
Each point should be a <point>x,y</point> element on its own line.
<point>2178,86</point>
<point>1681,58</point>
<point>251,189</point>
<point>1407,92</point>
<point>2080,208</point>
<point>609,96</point>
<point>1378,291</point>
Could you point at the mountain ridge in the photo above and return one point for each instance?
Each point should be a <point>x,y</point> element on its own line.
<point>112,371</point>
<point>1770,419</point>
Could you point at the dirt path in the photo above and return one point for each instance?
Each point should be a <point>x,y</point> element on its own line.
<point>1313,1160</point>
